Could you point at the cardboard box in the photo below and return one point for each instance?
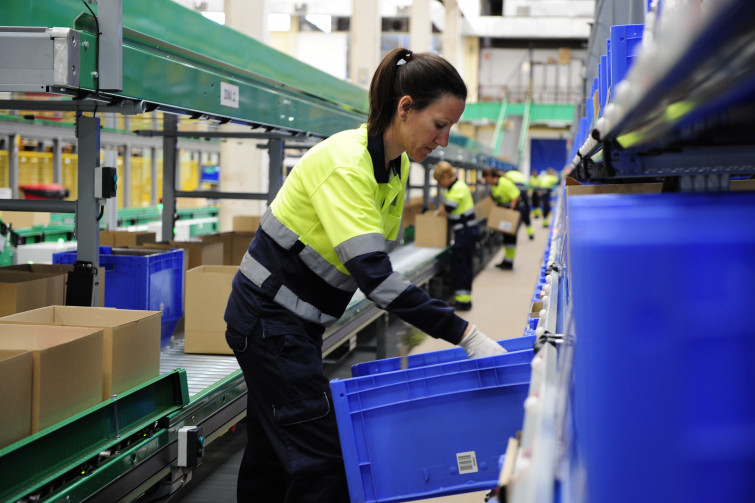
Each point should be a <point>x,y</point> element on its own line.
<point>16,368</point>
<point>504,220</point>
<point>246,223</point>
<point>535,309</point>
<point>482,208</point>
<point>52,269</point>
<point>614,188</point>
<point>235,245</point>
<point>25,219</point>
<point>126,238</point>
<point>207,291</point>
<point>131,340</point>
<point>431,230</point>
<point>22,291</point>
<point>196,253</point>
<point>67,369</point>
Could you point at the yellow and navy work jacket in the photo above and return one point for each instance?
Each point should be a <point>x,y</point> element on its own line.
<point>518,178</point>
<point>459,205</point>
<point>504,191</point>
<point>547,181</point>
<point>327,233</point>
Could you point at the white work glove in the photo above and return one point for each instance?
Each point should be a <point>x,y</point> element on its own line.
<point>477,344</point>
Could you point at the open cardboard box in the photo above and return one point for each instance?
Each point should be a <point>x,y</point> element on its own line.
<point>131,340</point>
<point>67,368</point>
<point>16,370</point>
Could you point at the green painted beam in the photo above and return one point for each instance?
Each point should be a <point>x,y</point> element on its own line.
<point>70,449</point>
<point>538,112</point>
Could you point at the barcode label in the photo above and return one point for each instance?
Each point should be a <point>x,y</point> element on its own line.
<point>467,462</point>
<point>504,226</point>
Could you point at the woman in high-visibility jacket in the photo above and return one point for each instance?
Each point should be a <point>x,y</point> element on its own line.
<point>458,205</point>
<point>327,233</point>
<point>506,194</point>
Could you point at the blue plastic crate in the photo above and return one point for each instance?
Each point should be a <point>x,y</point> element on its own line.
<point>663,379</point>
<point>428,432</point>
<point>624,41</point>
<point>142,279</point>
<point>513,345</point>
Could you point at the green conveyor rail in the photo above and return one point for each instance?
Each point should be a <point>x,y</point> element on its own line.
<point>175,59</point>
<point>80,454</point>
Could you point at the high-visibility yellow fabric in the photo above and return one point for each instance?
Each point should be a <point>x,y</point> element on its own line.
<point>504,191</point>
<point>460,194</point>
<point>337,197</point>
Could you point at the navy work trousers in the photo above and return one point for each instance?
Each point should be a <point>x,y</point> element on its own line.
<point>462,257</point>
<point>293,453</point>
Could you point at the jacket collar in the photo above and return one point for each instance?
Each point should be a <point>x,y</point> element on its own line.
<point>377,152</point>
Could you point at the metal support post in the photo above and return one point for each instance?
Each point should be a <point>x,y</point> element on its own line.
<point>275,175</point>
<point>170,161</point>
<point>87,206</point>
<point>13,165</point>
<point>57,160</point>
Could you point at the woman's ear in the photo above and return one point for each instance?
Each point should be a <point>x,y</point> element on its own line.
<point>404,106</point>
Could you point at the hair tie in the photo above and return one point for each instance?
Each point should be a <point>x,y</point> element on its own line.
<point>407,57</point>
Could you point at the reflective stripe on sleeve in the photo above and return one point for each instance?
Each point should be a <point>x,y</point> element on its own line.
<point>253,270</point>
<point>360,245</point>
<point>387,291</point>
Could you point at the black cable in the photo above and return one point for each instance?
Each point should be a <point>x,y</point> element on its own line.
<point>102,212</point>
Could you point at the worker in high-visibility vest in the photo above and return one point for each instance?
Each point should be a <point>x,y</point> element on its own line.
<point>546,181</point>
<point>506,194</point>
<point>535,204</point>
<point>520,181</point>
<point>327,233</point>
<point>458,205</point>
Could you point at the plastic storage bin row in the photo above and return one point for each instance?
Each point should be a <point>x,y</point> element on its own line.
<point>613,66</point>
<point>142,279</point>
<point>663,377</point>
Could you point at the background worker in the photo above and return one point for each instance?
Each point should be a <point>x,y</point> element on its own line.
<point>458,205</point>
<point>520,181</point>
<point>535,204</point>
<point>324,235</point>
<point>546,182</point>
<point>506,194</point>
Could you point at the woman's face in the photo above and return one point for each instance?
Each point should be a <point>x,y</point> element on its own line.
<point>424,130</point>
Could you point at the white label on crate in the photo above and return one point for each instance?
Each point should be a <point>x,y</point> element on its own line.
<point>505,226</point>
<point>229,95</point>
<point>467,462</point>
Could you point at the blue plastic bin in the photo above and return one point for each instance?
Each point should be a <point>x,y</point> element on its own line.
<point>428,432</point>
<point>514,345</point>
<point>624,41</point>
<point>142,279</point>
<point>663,379</point>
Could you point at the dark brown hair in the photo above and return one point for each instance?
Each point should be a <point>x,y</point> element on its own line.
<point>423,76</point>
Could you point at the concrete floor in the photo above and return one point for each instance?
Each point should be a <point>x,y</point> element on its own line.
<point>501,303</point>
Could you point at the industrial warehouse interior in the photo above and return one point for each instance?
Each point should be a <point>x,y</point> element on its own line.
<point>211,292</point>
